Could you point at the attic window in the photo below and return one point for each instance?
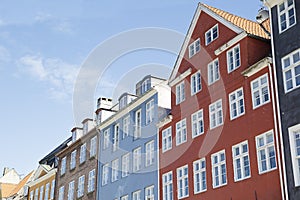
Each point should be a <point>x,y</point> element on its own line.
<point>211,34</point>
<point>194,47</point>
<point>145,85</point>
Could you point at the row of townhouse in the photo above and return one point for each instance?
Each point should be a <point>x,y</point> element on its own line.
<point>225,125</point>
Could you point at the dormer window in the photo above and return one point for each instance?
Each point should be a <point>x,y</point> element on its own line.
<point>85,128</point>
<point>146,85</point>
<point>194,47</point>
<point>211,34</point>
<point>74,136</point>
<point>123,102</point>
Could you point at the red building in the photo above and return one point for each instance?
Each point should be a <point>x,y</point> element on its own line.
<point>220,141</point>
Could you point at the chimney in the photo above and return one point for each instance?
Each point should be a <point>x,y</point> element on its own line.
<point>5,170</point>
<point>104,109</point>
<point>103,102</point>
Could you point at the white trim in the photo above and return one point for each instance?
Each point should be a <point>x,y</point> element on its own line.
<point>272,3</point>
<point>230,43</point>
<point>253,69</point>
<point>218,164</point>
<point>295,165</point>
<point>43,178</point>
<point>211,31</point>
<point>180,77</point>
<point>164,121</point>
<point>234,157</point>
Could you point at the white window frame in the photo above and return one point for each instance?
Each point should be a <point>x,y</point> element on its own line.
<point>41,192</point>
<point>47,187</point>
<point>180,92</point>
<point>167,139</point>
<point>194,47</point>
<point>289,64</point>
<point>213,71</point>
<point>137,124</point>
<point>200,177</point>
<point>126,123</point>
<point>116,137</point>
<point>63,166</point>
<point>216,114</point>
<point>263,145</point>
<point>52,189</point>
<point>93,147</point>
<point>125,164</point>
<point>196,85</point>
<point>82,157</point>
<point>149,111</point>
<point>236,103</point>
<point>217,163</point>
<point>285,13</point>
<point>114,170</point>
<point>124,197</point>
<point>36,194</point>
<point>106,137</point>
<point>150,157</point>
<point>210,34</point>
<point>167,179</point>
<point>181,132</point>
<point>182,180</point>
<point>146,85</point>
<point>105,174</point>
<point>197,123</point>
<point>73,159</point>
<point>136,195</point>
<point>294,137</point>
<point>149,192</point>
<point>71,190</point>
<point>260,90</point>
<point>31,195</point>
<point>92,181</point>
<point>80,189</point>
<point>240,157</point>
<point>137,159</point>
<point>61,193</point>
<point>233,58</point>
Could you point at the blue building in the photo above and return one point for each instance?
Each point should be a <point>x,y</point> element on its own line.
<point>128,157</point>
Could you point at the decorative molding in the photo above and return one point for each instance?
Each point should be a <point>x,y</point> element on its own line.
<point>257,67</point>
<point>180,77</point>
<point>230,43</point>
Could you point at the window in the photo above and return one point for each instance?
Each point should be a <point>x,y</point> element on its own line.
<point>91,181</point>
<point>63,166</point>
<point>241,163</point>
<point>149,153</point>
<point>71,190</point>
<point>52,189</point>
<point>41,192</point>
<point>181,132</point>
<point>265,152</point>
<point>114,170</point>
<point>167,179</point>
<point>197,123</point>
<point>126,126</point>
<point>93,148</point>
<point>137,160</point>
<point>146,85</point>
<point>61,193</point>
<point>182,182</point>
<point>138,125</point>
<point>291,71</point>
<point>195,83</point>
<point>105,169</point>
<point>82,156</point>
<point>125,165</point>
<point>73,159</point>
<point>286,15</point>
<point>150,111</point>
<point>85,128</point>
<point>47,191</point>
<point>106,138</point>
<point>218,161</point>
<point>211,34</point>
<point>294,135</point>
<point>199,169</point>
<point>194,47</point>
<point>31,195</point>
<point>213,71</point>
<point>123,102</point>
<point>260,91</point>
<point>36,194</point>
<point>136,195</point>
<point>116,137</point>
<point>180,93</point>
<point>233,58</point>
<point>216,114</point>
<point>236,103</point>
<point>124,197</point>
<point>167,139</point>
<point>80,190</point>
<point>149,193</point>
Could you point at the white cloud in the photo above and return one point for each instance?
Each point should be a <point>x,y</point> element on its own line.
<point>59,75</point>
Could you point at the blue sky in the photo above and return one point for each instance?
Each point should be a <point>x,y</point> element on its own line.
<point>42,47</point>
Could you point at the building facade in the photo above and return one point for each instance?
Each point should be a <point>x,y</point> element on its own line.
<point>221,139</point>
<point>76,176</point>
<point>285,18</point>
<point>128,158</point>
